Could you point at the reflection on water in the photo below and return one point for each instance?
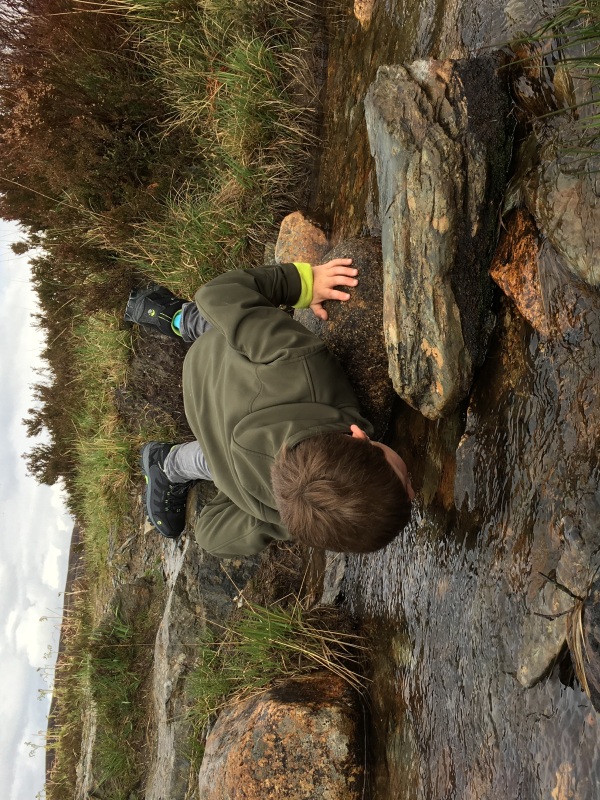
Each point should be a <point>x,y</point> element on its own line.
<point>446,602</point>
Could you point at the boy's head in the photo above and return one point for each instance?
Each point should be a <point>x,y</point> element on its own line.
<point>341,492</point>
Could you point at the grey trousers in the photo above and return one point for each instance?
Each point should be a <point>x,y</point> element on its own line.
<point>186,462</point>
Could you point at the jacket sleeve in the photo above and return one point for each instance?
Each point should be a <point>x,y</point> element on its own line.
<point>242,305</point>
<point>224,530</point>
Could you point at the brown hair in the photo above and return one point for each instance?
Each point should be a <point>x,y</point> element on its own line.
<point>339,493</point>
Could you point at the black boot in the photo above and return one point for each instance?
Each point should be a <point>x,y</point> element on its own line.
<point>155,306</point>
<point>165,501</point>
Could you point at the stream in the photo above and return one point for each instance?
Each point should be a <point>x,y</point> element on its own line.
<point>504,485</point>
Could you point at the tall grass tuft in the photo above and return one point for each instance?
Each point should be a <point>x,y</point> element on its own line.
<point>569,43</point>
<point>238,80</point>
<point>265,645</point>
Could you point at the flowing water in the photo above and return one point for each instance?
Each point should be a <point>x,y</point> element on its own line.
<point>503,487</point>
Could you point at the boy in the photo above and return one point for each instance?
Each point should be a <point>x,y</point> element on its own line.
<point>277,425</point>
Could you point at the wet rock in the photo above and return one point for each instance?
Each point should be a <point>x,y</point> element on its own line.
<point>363,11</point>
<point>439,133</point>
<point>540,80</point>
<point>546,627</point>
<point>354,331</point>
<point>300,240</point>
<point>200,591</point>
<point>564,196</point>
<point>591,638</point>
<point>301,740</point>
<point>515,269</point>
<point>544,634</point>
<point>562,190</point>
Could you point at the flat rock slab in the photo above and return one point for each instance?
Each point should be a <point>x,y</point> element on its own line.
<point>439,134</point>
<point>354,331</point>
<point>299,741</point>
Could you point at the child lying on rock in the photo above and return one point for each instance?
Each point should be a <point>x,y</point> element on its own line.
<point>277,424</point>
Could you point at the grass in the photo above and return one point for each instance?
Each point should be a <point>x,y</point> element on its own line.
<point>264,646</point>
<point>237,79</point>
<point>106,452</point>
<point>569,45</point>
<point>101,672</point>
<point>114,679</point>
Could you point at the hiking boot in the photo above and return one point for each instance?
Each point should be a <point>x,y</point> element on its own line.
<point>165,501</point>
<point>155,306</point>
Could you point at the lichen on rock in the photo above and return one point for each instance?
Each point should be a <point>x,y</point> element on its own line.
<point>301,740</point>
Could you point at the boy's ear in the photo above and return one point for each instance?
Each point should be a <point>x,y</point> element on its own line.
<point>358,433</point>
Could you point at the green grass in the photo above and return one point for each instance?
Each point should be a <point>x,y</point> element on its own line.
<point>236,78</point>
<point>114,679</point>
<point>106,452</point>
<point>262,647</point>
<point>569,43</point>
<point>102,670</point>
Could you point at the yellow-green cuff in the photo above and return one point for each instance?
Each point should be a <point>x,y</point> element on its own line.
<point>306,278</point>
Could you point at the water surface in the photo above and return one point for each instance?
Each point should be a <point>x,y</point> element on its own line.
<point>504,485</point>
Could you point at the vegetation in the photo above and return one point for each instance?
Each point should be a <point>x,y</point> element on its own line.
<point>141,141</point>
<point>566,48</point>
<point>101,672</point>
<point>157,140</point>
<point>264,645</point>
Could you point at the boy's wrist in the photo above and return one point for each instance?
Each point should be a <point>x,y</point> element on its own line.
<point>306,279</point>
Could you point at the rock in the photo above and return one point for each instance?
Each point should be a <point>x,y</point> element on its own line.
<point>562,190</point>
<point>544,634</point>
<point>441,140</point>
<point>200,591</point>
<point>564,196</point>
<point>354,331</point>
<point>299,741</point>
<point>515,269</point>
<point>363,11</point>
<point>300,240</point>
<point>591,638</point>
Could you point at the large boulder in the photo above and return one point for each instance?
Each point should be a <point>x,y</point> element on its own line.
<point>564,196</point>
<point>354,331</point>
<point>440,136</point>
<point>300,741</point>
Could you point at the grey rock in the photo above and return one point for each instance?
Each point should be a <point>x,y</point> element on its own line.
<point>564,195</point>
<point>544,634</point>
<point>202,590</point>
<point>354,331</point>
<point>441,140</point>
<point>545,628</point>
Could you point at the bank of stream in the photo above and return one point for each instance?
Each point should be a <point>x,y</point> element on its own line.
<point>504,486</point>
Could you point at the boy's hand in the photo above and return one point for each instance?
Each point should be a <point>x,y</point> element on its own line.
<point>327,276</point>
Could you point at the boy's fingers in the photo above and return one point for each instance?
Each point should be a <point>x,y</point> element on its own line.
<point>335,295</point>
<point>341,270</point>
<point>342,280</point>
<point>319,311</point>
<point>338,262</point>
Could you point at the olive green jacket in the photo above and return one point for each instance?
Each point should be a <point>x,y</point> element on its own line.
<point>256,380</point>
